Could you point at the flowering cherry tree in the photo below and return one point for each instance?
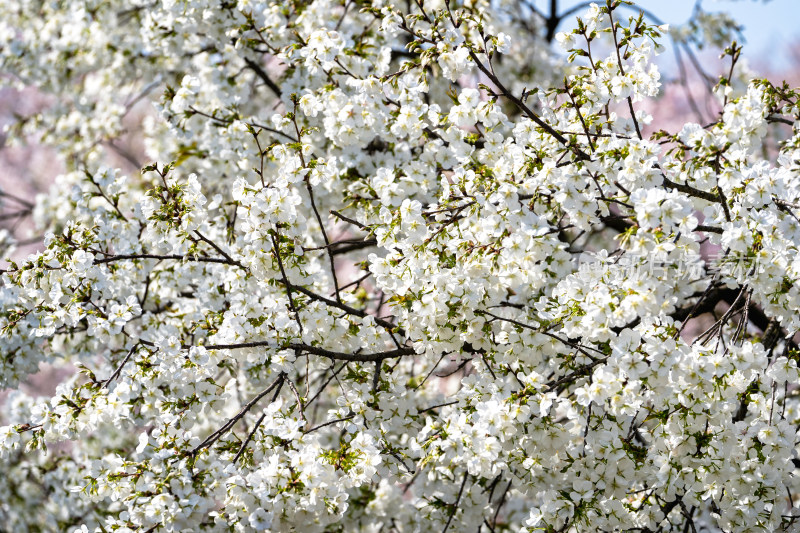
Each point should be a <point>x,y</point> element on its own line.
<point>399,268</point>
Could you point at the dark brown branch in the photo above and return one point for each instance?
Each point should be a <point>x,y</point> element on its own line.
<point>622,69</point>
<point>214,437</point>
<point>324,235</point>
<point>255,67</point>
<point>557,384</point>
<point>775,118</point>
<point>288,285</point>
<point>340,356</point>
<point>348,417</point>
<point>346,308</point>
<point>691,191</point>
<point>176,257</point>
<point>432,407</point>
<point>258,422</point>
<point>121,365</point>
<point>22,201</point>
<point>708,229</point>
<point>455,504</point>
<point>353,246</point>
<point>349,220</point>
<point>524,108</point>
<point>358,357</point>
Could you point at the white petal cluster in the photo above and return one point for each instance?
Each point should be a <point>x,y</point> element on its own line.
<point>396,267</point>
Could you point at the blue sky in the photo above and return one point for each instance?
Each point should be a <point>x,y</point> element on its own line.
<point>769,26</point>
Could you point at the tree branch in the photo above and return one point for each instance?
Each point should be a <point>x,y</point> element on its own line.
<point>255,67</point>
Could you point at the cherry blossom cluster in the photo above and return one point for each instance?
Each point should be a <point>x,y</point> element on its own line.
<point>388,267</point>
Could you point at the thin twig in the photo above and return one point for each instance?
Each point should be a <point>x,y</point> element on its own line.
<point>320,426</point>
<point>258,423</point>
<point>455,504</point>
<point>211,439</point>
<point>121,365</point>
